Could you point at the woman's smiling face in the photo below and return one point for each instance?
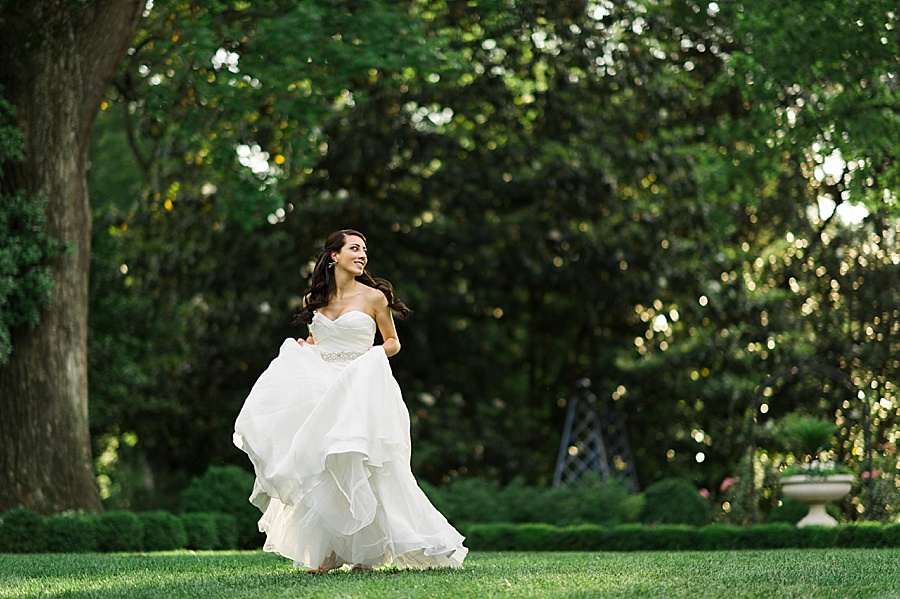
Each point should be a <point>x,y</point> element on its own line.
<point>353,255</point>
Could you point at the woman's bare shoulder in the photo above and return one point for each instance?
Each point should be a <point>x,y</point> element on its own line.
<point>375,298</point>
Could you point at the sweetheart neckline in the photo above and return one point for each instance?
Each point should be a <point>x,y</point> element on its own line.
<point>345,314</point>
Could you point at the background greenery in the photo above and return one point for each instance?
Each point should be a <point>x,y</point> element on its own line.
<point>653,195</point>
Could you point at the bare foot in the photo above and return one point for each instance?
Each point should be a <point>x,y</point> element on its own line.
<point>328,565</point>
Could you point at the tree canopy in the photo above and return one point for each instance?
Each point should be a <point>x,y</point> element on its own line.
<point>673,199</point>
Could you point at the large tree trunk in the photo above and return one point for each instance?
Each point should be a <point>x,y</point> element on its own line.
<point>57,58</point>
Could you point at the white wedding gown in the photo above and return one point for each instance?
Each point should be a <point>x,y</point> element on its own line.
<point>328,434</point>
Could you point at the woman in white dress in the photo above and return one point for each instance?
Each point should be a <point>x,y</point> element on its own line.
<point>328,433</point>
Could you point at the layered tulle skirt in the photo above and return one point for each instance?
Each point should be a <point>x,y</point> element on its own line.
<point>329,442</point>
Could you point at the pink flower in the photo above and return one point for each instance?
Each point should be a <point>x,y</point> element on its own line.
<point>870,474</point>
<point>728,482</point>
<point>704,493</point>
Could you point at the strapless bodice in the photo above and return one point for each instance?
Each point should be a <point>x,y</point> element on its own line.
<point>350,333</point>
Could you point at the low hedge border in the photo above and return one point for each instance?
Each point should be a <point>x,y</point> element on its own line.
<point>637,537</point>
<point>24,531</point>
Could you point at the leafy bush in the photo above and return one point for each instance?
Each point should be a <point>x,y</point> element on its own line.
<point>816,537</point>
<point>863,534</point>
<point>637,537</point>
<point>22,531</point>
<point>628,537</point>
<point>491,537</point>
<point>472,500</point>
<point>775,535</point>
<point>73,533</point>
<point>226,530</point>
<point>672,537</point>
<point>225,489</point>
<point>538,537</point>
<point>26,283</point>
<point>163,531</point>
<point>790,511</point>
<point>583,537</point>
<point>674,501</point>
<point>524,503</point>
<point>591,501</point>
<point>892,535</point>
<point>121,531</point>
<point>720,537</point>
<point>202,530</point>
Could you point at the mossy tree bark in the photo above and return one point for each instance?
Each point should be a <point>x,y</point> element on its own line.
<point>58,59</point>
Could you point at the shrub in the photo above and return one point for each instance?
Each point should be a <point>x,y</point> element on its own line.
<point>491,537</point>
<point>225,489</point>
<point>719,537</point>
<point>775,535</point>
<point>674,501</point>
<point>538,537</point>
<point>163,531</point>
<point>673,537</point>
<point>892,535</point>
<point>73,533</point>
<point>120,531</point>
<point>790,511</point>
<point>637,537</point>
<point>582,537</point>
<point>202,530</point>
<point>864,534</point>
<point>817,537</point>
<point>22,531</point>
<point>524,503</point>
<point>591,501</point>
<point>226,530</point>
<point>628,537</point>
<point>472,500</point>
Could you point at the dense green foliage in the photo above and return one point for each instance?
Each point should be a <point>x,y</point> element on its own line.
<point>25,282</point>
<point>674,501</point>
<point>469,500</point>
<point>655,195</point>
<point>163,531</point>
<point>121,531</point>
<point>25,531</point>
<point>827,574</point>
<point>202,532</point>
<point>225,490</point>
<point>73,533</point>
<point>672,537</point>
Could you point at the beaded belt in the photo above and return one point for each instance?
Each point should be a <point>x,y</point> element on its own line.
<point>341,356</point>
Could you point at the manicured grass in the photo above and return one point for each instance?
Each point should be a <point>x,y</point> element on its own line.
<point>824,573</point>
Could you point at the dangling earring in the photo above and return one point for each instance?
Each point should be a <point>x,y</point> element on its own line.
<point>331,264</point>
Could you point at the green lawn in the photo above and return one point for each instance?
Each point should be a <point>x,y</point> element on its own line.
<point>780,574</point>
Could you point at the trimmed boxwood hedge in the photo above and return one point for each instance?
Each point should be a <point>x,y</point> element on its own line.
<point>23,531</point>
<point>201,529</point>
<point>673,537</point>
<point>121,531</point>
<point>163,531</point>
<point>73,533</point>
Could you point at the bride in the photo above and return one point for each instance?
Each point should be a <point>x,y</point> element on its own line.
<point>328,433</point>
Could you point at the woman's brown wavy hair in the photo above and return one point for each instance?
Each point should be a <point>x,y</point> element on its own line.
<point>322,284</point>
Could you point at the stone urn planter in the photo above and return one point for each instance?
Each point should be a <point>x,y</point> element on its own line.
<point>816,491</point>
